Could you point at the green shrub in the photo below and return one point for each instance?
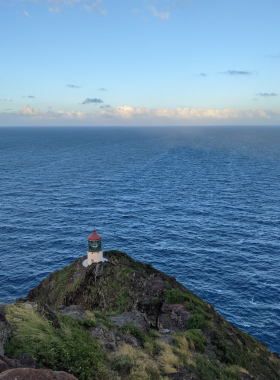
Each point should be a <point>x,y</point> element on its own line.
<point>212,370</point>
<point>86,323</point>
<point>123,364</point>
<point>125,272</point>
<point>134,331</point>
<point>69,349</point>
<point>175,296</point>
<point>200,318</point>
<point>154,334</point>
<point>102,317</point>
<point>196,321</point>
<point>62,277</point>
<point>198,340</point>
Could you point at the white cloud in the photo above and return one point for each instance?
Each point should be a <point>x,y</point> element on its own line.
<point>127,112</point>
<point>87,5</point>
<point>162,15</point>
<point>35,112</point>
<point>137,116</point>
<point>26,14</point>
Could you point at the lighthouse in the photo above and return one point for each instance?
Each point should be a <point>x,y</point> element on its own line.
<point>94,249</point>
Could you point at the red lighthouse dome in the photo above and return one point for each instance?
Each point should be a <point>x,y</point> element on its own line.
<point>94,236</point>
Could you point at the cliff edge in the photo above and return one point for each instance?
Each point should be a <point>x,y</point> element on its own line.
<point>123,319</point>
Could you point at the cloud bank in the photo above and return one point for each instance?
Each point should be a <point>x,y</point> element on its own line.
<point>137,116</point>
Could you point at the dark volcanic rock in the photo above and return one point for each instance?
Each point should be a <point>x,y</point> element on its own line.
<point>112,339</point>
<point>22,361</point>
<point>183,374</point>
<point>133,317</point>
<point>245,376</point>
<point>35,374</point>
<point>150,309</point>
<point>167,339</point>
<point>173,317</point>
<point>47,312</point>
<point>74,311</point>
<point>5,328</point>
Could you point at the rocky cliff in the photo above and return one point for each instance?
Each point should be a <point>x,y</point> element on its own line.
<point>131,321</point>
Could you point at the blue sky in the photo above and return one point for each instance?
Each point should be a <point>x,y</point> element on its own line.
<point>140,62</point>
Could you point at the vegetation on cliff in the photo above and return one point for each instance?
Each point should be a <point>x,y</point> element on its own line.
<point>132,322</point>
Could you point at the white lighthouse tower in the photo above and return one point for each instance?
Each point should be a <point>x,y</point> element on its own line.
<point>94,249</point>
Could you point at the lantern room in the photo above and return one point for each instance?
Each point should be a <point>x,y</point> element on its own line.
<point>94,242</point>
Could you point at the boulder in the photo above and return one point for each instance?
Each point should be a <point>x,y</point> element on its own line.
<point>167,339</point>
<point>173,317</point>
<point>150,309</point>
<point>133,317</point>
<point>74,311</point>
<point>112,339</point>
<point>5,329</point>
<point>183,374</point>
<point>246,376</point>
<point>35,374</point>
<point>22,361</point>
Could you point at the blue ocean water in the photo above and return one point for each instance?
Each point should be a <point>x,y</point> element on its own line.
<point>201,204</point>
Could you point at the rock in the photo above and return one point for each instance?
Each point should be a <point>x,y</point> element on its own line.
<point>149,304</point>
<point>113,339</point>
<point>47,312</point>
<point>128,339</point>
<point>5,329</point>
<point>150,309</point>
<point>246,376</point>
<point>133,317</point>
<point>22,361</point>
<point>164,332</point>
<point>183,374</point>
<point>35,374</point>
<point>28,305</point>
<point>173,317</point>
<point>167,339</point>
<point>74,311</point>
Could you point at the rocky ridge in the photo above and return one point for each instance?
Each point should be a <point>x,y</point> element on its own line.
<point>138,315</point>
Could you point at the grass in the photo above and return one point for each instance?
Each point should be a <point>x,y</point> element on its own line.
<point>154,334</point>
<point>200,318</point>
<point>61,279</point>
<point>104,319</point>
<point>125,272</point>
<point>69,349</point>
<point>133,364</point>
<point>134,331</point>
<point>195,339</point>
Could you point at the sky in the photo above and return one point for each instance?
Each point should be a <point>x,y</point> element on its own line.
<point>139,62</point>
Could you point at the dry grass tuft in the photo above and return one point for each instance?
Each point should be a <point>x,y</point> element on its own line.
<point>168,361</point>
<point>183,348</point>
<point>142,366</point>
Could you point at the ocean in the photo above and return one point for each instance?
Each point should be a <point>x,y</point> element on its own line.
<point>201,204</point>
